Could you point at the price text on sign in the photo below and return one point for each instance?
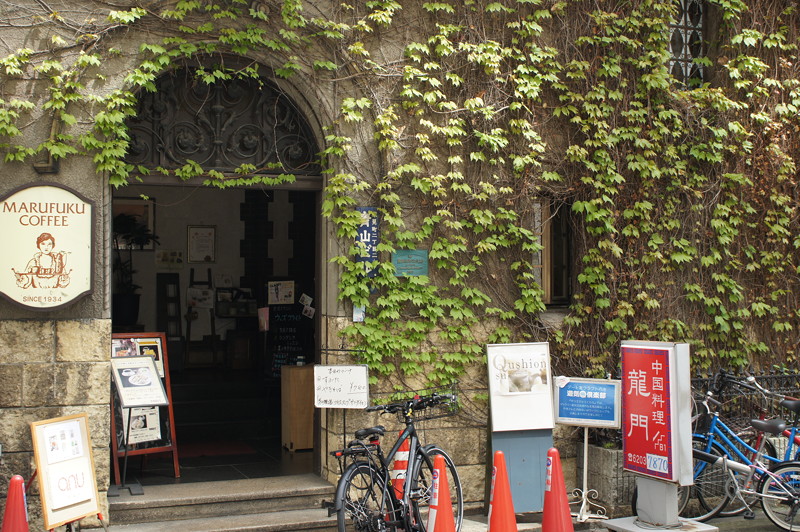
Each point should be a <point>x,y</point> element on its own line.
<point>647,412</point>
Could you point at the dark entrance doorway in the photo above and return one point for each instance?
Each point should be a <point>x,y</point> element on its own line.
<point>225,367</point>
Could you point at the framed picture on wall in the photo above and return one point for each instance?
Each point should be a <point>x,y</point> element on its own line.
<point>201,241</point>
<point>143,212</point>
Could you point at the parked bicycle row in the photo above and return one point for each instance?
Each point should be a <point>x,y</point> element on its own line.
<point>736,468</point>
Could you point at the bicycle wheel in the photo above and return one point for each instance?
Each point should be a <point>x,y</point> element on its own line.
<point>709,494</point>
<point>362,501</point>
<point>737,505</point>
<point>421,487</point>
<point>780,495</point>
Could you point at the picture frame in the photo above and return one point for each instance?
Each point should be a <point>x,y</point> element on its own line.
<point>201,243</point>
<point>143,210</point>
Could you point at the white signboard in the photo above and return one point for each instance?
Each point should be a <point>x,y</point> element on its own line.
<point>63,454</point>
<point>138,383</point>
<point>520,386</point>
<point>47,246</point>
<point>341,386</point>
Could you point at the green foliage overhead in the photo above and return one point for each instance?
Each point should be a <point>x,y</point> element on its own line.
<point>683,202</point>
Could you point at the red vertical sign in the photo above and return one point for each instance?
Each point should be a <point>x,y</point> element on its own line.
<point>647,435</point>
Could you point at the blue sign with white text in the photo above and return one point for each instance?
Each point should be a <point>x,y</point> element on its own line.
<point>588,402</point>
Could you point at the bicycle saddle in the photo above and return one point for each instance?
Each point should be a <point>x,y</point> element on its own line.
<point>364,433</point>
<point>773,426</point>
<point>791,404</point>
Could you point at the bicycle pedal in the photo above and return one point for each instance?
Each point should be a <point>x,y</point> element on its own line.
<point>749,514</point>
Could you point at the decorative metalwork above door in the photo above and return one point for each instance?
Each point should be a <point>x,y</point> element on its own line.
<point>220,126</point>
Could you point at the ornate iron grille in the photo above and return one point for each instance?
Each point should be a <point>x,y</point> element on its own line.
<point>686,42</point>
<point>220,126</point>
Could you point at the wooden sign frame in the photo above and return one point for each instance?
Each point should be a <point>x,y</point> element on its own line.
<point>62,450</point>
<point>137,344</point>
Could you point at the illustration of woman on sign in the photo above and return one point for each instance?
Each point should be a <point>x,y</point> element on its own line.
<point>47,268</point>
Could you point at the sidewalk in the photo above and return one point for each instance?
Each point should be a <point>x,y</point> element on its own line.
<point>478,523</point>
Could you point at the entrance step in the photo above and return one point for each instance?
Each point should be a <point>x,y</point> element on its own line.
<point>311,520</point>
<point>250,504</point>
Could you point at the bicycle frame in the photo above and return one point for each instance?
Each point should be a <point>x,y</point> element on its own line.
<point>721,433</point>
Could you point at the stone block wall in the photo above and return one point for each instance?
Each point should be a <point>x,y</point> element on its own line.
<point>49,369</point>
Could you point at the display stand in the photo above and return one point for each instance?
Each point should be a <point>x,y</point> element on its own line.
<point>154,428</point>
<point>584,494</point>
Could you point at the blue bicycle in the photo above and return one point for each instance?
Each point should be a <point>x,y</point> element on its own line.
<point>712,494</point>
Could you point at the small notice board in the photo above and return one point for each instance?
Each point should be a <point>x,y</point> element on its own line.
<point>341,386</point>
<point>140,377</point>
<point>62,450</point>
<point>587,402</point>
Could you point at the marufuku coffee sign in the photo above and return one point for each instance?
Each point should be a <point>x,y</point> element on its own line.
<point>46,261</point>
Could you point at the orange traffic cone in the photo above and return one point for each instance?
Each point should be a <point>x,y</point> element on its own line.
<point>556,516</point>
<point>440,514</point>
<point>15,518</point>
<point>399,468</point>
<point>501,505</point>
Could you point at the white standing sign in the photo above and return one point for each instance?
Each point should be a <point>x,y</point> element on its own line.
<point>67,484</point>
<point>47,246</point>
<point>519,385</point>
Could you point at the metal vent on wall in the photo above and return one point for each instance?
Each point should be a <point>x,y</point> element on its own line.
<point>220,126</point>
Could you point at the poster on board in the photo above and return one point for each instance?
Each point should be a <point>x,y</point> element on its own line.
<point>341,386</point>
<point>520,386</point>
<point>138,383</point>
<point>65,468</point>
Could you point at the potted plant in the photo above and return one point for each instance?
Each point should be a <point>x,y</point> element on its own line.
<point>129,234</point>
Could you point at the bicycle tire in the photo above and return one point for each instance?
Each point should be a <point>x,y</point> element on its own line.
<point>363,502</point>
<point>737,506</point>
<point>421,487</point>
<point>709,494</point>
<point>780,496</point>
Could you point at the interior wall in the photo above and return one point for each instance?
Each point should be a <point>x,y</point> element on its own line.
<point>176,208</point>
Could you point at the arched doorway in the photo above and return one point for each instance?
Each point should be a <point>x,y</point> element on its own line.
<point>222,256</point>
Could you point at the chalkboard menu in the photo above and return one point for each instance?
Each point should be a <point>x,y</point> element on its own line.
<point>290,337</point>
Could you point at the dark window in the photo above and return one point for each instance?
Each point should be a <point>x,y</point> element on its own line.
<point>686,43</point>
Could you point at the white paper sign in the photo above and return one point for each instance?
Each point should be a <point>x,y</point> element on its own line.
<point>341,386</point>
<point>519,386</point>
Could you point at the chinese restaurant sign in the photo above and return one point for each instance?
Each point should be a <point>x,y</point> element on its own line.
<point>519,386</point>
<point>47,246</point>
<point>656,435</point>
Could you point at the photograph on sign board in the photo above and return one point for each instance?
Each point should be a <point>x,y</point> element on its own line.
<point>137,381</point>
<point>519,386</point>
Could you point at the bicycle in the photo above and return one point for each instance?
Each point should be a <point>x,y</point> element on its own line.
<point>367,499</point>
<point>716,438</point>
<point>778,488</point>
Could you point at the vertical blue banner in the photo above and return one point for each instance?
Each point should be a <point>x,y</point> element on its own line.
<point>367,236</point>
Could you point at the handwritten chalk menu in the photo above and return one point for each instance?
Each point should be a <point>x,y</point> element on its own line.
<point>62,450</point>
<point>341,386</point>
<point>290,336</point>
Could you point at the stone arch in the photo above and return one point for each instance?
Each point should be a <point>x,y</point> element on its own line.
<point>221,126</point>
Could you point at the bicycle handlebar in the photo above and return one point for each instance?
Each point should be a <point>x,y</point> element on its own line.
<point>417,403</point>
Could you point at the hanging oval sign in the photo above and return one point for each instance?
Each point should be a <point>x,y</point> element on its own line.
<point>47,246</point>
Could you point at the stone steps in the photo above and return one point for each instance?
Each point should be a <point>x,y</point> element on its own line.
<point>291,502</point>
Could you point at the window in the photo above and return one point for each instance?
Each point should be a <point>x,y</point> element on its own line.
<point>554,263</point>
<point>686,43</point>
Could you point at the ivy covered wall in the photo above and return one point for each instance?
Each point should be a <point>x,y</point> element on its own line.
<point>455,119</point>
